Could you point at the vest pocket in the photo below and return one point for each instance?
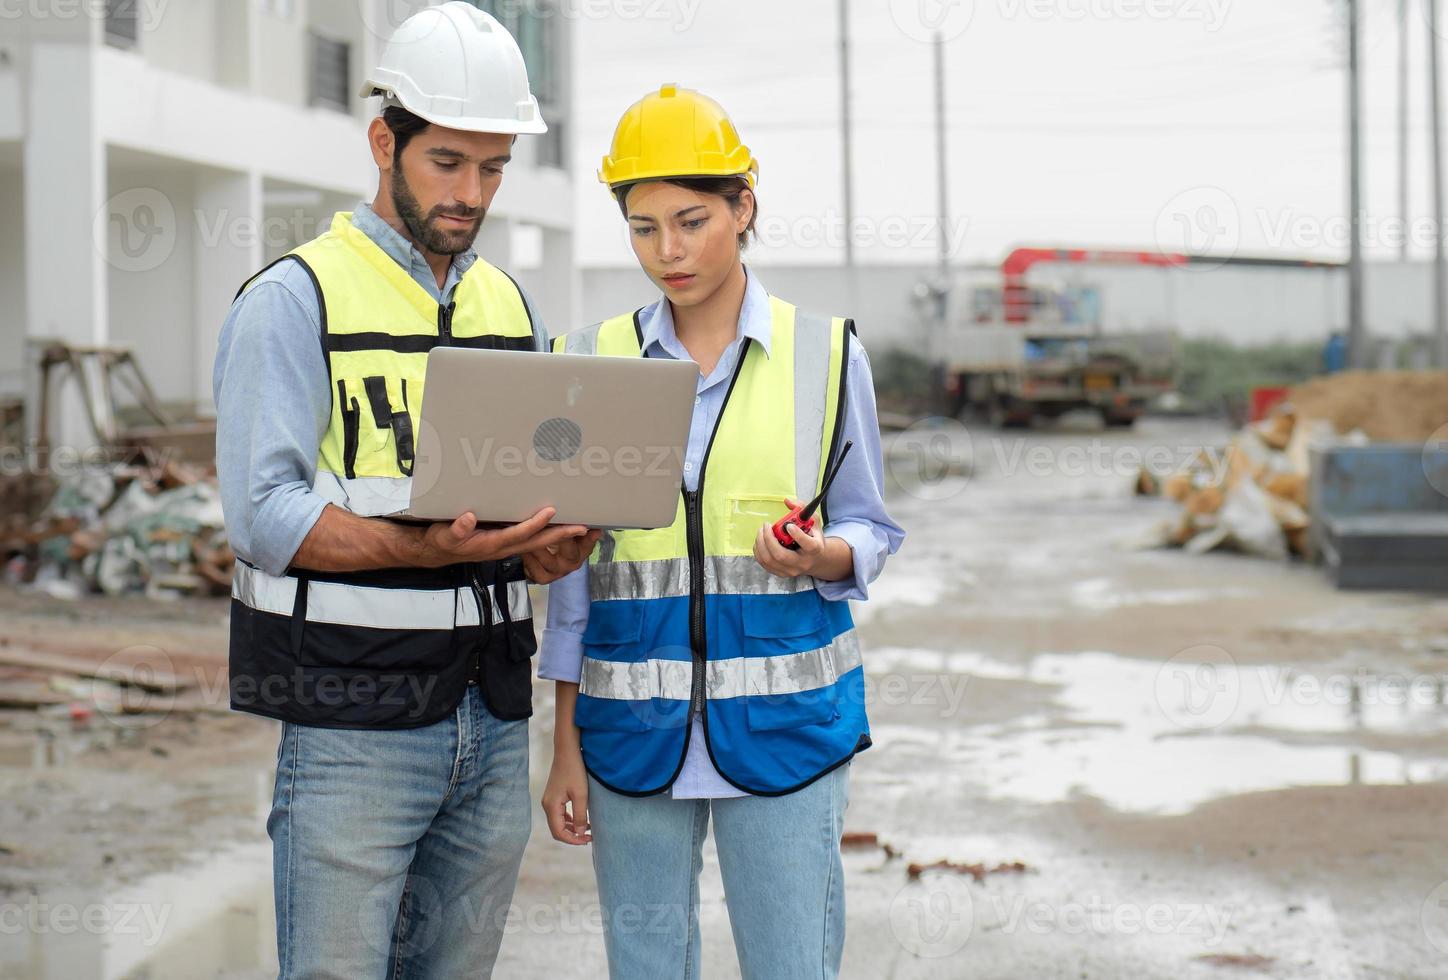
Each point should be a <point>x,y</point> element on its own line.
<point>747,513</point>
<point>791,631</point>
<point>388,420</point>
<point>615,695</point>
<point>351,422</point>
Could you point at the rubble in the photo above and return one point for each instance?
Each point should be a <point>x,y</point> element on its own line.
<point>1253,496</point>
<point>153,527</point>
<point>977,871</point>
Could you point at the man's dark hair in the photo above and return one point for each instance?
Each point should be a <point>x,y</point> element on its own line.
<point>404,125</point>
<point>729,188</point>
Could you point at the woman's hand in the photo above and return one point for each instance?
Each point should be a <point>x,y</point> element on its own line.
<point>565,798</point>
<point>827,559</point>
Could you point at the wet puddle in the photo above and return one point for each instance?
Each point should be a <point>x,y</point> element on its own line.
<point>1158,738</point>
<point>213,920</point>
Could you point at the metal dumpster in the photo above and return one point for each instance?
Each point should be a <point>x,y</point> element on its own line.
<point>1380,515</point>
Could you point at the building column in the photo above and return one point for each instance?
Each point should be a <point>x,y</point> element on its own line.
<point>228,248</point>
<point>66,221</point>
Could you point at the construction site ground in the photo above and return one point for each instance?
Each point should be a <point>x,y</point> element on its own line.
<point>1134,762</point>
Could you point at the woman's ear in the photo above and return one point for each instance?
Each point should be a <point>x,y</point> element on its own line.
<point>744,212</point>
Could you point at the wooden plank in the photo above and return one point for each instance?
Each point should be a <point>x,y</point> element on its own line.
<point>136,673</point>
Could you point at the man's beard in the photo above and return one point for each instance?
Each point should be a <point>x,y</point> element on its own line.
<point>424,230</point>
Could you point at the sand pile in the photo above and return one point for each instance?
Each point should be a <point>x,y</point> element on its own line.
<point>1388,406</point>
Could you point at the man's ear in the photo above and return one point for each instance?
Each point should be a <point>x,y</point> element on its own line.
<point>381,140</point>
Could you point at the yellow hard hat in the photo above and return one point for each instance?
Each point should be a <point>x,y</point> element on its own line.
<point>676,132</point>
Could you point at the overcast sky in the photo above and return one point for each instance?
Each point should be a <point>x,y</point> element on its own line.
<point>1138,123</point>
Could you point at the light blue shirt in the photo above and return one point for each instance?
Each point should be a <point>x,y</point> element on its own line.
<point>274,402</point>
<point>855,504</point>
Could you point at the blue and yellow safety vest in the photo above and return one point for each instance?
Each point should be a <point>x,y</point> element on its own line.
<point>683,620</point>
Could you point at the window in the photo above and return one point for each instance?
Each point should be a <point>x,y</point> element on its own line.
<point>330,75</point>
<point>535,26</point>
<point>533,23</point>
<point>122,23</point>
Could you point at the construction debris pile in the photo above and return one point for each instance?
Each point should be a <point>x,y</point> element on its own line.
<point>144,527</point>
<point>1253,496</point>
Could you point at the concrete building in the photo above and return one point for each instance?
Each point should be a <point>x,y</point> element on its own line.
<point>154,153</point>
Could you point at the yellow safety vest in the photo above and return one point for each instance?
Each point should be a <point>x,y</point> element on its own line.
<point>389,648</point>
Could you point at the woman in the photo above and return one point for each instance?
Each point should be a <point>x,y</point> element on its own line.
<point>705,668</point>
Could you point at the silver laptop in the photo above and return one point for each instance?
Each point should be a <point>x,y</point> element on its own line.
<point>505,433</point>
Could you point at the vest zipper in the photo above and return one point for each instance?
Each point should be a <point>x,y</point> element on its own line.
<point>444,323</point>
<point>694,531</point>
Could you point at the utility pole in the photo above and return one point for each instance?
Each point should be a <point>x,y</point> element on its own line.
<point>1440,263</point>
<point>1356,338</point>
<point>1403,207</point>
<point>846,138</point>
<point>942,298</point>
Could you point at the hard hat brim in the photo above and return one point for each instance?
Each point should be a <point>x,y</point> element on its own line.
<point>467,124</point>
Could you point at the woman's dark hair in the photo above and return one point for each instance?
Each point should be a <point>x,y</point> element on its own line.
<point>730,188</point>
<point>404,125</point>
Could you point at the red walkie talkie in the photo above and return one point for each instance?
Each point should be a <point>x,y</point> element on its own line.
<point>803,517</point>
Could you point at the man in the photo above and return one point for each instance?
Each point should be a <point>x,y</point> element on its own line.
<point>397,655</point>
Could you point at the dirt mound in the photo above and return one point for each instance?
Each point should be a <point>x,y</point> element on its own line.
<point>1388,406</point>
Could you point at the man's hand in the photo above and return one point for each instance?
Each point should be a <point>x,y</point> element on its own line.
<point>552,563</point>
<point>460,541</point>
<point>827,559</point>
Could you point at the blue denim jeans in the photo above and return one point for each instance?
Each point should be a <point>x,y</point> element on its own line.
<point>395,853</point>
<point>783,880</point>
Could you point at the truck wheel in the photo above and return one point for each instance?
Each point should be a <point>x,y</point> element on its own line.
<point>1118,420</point>
<point>1003,416</point>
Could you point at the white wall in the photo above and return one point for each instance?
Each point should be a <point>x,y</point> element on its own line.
<point>150,302</point>
<point>184,37</point>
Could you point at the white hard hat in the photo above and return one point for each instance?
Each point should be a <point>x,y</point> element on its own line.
<point>457,67</point>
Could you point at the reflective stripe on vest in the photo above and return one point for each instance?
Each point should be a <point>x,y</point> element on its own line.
<point>375,608</point>
<point>673,630</point>
<point>790,673</point>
